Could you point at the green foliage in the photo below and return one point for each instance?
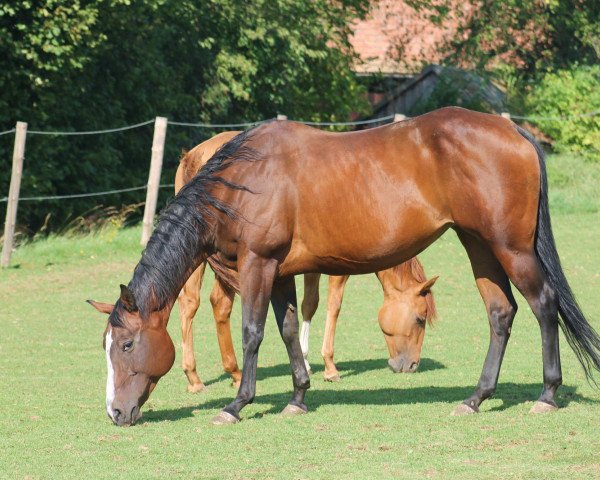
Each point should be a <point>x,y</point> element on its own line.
<point>97,65</point>
<point>532,36</point>
<point>544,53</point>
<point>568,93</point>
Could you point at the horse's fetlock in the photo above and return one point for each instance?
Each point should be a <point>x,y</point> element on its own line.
<point>303,384</point>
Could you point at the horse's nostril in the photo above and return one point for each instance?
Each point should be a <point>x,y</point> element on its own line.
<point>414,366</point>
<point>116,415</point>
<point>134,414</point>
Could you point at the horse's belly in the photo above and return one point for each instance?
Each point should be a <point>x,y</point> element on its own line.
<point>363,246</point>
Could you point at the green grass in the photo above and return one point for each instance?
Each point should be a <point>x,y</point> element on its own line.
<point>373,424</point>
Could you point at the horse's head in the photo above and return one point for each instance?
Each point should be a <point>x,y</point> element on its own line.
<point>402,319</point>
<point>138,353</point>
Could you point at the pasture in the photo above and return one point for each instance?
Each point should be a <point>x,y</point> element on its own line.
<point>372,424</point>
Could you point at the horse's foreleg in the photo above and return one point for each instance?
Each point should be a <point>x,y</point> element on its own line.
<point>221,299</point>
<point>310,302</point>
<point>501,307</point>
<point>284,304</point>
<point>189,301</point>
<point>256,282</point>
<point>335,295</point>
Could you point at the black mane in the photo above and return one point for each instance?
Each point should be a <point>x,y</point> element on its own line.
<point>183,230</point>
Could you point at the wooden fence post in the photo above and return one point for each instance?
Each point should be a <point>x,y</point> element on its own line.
<point>13,193</point>
<point>281,117</point>
<point>398,117</point>
<point>158,148</point>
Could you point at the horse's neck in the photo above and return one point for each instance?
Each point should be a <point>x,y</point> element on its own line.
<point>395,280</point>
<point>158,290</point>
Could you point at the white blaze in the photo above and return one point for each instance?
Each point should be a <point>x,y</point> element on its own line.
<point>110,379</point>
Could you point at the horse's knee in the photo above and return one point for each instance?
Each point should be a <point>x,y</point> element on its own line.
<point>289,333</point>
<point>189,304</point>
<point>501,318</point>
<point>221,308</point>
<point>309,307</point>
<point>252,337</point>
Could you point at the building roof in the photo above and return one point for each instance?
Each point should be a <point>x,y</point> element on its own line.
<point>396,40</point>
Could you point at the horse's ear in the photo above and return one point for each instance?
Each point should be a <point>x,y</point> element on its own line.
<point>127,299</point>
<point>102,307</point>
<point>425,287</point>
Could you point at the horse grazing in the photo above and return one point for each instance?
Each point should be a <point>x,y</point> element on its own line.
<point>408,305</point>
<point>284,199</point>
<point>408,301</point>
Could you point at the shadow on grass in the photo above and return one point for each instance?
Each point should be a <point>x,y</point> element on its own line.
<point>347,369</point>
<point>511,394</point>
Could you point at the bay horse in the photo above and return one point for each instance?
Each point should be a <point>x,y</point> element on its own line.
<point>283,199</point>
<point>408,301</point>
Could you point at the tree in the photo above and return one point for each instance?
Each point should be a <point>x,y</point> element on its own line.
<point>99,64</point>
<point>531,37</point>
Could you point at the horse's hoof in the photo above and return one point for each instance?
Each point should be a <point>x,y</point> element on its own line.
<point>464,409</point>
<point>543,407</point>
<point>292,410</point>
<point>332,378</point>
<point>224,418</point>
<point>196,387</point>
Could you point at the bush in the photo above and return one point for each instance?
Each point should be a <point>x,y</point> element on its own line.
<point>567,94</point>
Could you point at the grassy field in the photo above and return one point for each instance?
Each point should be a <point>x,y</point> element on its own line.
<point>373,424</point>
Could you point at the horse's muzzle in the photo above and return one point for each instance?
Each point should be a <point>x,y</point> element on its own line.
<point>126,417</point>
<point>400,364</point>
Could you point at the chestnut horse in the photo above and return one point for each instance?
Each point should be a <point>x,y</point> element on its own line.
<point>408,301</point>
<point>408,305</point>
<point>284,199</point>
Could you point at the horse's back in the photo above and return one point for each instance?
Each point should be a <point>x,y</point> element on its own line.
<point>194,159</point>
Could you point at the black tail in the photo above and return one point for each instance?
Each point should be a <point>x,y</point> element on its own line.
<point>584,340</point>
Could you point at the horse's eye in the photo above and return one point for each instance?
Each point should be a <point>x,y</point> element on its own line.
<point>424,293</point>
<point>421,321</point>
<point>127,345</point>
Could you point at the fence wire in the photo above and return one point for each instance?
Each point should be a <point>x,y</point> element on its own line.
<point>560,119</point>
<point>258,122</point>
<point>226,125</point>
<point>92,132</point>
<point>85,195</point>
<point>216,125</point>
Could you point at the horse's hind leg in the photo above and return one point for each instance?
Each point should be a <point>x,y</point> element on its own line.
<point>221,299</point>
<point>501,307</point>
<point>284,303</point>
<point>310,302</point>
<point>526,274</point>
<point>189,301</point>
<point>335,295</point>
